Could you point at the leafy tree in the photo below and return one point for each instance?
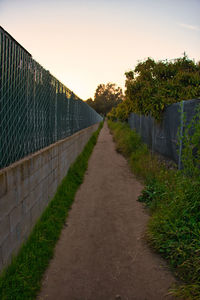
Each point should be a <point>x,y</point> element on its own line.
<point>90,102</point>
<point>154,85</point>
<point>121,112</point>
<point>106,97</point>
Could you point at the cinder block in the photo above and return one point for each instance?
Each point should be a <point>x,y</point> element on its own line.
<point>35,212</point>
<point>25,169</point>
<point>23,228</point>
<point>4,228</point>
<point>25,188</point>
<point>42,173</point>
<point>54,151</point>
<point>42,158</point>
<point>44,201</point>
<point>50,179</point>
<point>61,160</point>
<point>18,194</point>
<point>55,183</point>
<point>45,156</point>
<point>31,199</point>
<point>35,195</point>
<point>59,148</point>
<point>13,175</point>
<point>64,145</point>
<point>55,173</point>
<point>50,192</point>
<point>63,171</point>
<point>46,169</point>
<point>3,184</point>
<point>67,152</point>
<point>26,206</point>
<point>50,163</point>
<point>54,163</point>
<point>34,180</point>
<point>68,143</point>
<point>37,162</point>
<point>44,185</point>
<point>15,217</point>
<point>54,186</point>
<point>7,203</point>
<point>68,160</point>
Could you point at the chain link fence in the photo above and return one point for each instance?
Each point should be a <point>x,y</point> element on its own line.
<point>163,137</point>
<point>36,109</point>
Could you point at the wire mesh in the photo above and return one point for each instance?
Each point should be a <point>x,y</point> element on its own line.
<point>163,138</point>
<point>36,109</point>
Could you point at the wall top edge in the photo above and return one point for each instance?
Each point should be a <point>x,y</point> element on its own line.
<point>39,152</point>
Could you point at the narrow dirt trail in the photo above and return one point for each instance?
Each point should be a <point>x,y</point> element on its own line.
<point>102,254</point>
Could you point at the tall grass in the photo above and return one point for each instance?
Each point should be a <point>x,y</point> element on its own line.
<point>22,279</point>
<point>174,203</point>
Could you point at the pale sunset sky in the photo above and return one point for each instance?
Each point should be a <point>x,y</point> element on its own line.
<point>84,43</point>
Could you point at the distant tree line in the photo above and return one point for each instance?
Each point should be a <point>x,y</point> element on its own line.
<point>106,97</point>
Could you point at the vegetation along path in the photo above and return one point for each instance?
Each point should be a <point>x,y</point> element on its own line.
<point>102,253</point>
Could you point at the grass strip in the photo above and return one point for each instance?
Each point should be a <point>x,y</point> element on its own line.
<point>22,278</point>
<point>174,203</point>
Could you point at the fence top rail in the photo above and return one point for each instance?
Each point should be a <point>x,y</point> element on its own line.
<point>189,101</point>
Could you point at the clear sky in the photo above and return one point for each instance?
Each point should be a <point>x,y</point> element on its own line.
<point>87,42</point>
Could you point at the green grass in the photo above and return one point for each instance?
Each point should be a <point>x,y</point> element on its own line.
<point>174,203</point>
<point>22,279</point>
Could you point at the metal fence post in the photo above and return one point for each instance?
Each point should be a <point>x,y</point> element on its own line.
<point>181,134</point>
<point>153,135</point>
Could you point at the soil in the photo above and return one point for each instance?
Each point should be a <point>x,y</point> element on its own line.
<point>102,253</point>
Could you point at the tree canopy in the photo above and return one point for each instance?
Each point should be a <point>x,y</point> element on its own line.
<point>154,85</point>
<point>106,97</point>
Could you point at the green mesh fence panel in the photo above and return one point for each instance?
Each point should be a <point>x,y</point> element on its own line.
<point>36,109</point>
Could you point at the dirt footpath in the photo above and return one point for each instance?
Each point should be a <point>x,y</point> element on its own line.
<point>101,254</point>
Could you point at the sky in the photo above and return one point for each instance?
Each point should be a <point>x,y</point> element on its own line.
<point>84,43</point>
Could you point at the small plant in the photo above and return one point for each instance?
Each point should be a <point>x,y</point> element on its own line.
<point>153,193</point>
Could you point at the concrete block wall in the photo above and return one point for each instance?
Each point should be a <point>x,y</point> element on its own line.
<point>27,186</point>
